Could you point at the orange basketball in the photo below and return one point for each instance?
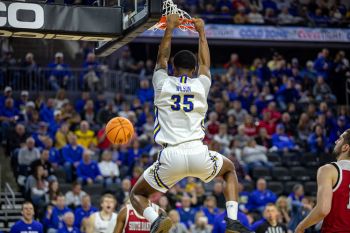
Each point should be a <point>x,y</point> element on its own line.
<point>119,130</point>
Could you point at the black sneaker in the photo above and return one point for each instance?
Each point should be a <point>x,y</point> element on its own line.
<point>161,225</point>
<point>235,226</point>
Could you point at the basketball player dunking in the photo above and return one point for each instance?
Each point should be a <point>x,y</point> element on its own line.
<point>333,192</point>
<point>103,221</point>
<point>129,221</point>
<point>180,108</point>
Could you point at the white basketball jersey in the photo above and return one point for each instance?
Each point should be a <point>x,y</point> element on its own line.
<point>180,107</point>
<point>104,226</point>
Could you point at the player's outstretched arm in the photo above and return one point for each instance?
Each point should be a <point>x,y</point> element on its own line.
<point>325,176</point>
<point>203,49</point>
<point>165,44</point>
<point>119,227</point>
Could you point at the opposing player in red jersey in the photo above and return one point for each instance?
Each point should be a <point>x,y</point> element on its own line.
<point>333,194</point>
<point>129,221</point>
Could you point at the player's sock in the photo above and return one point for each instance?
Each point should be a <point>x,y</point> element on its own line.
<point>150,214</point>
<point>232,209</point>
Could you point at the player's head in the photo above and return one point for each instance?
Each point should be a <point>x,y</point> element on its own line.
<point>342,145</point>
<point>184,60</point>
<point>108,203</point>
<point>28,211</point>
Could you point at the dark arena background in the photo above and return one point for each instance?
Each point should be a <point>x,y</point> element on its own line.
<point>278,102</point>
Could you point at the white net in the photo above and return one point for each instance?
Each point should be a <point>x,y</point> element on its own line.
<point>169,7</point>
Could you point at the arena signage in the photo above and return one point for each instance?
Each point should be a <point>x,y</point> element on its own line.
<point>13,11</point>
<point>48,21</point>
<point>264,33</point>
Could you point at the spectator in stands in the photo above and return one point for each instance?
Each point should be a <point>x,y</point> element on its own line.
<point>201,224</point>
<point>270,16</point>
<point>9,115</point>
<point>284,17</point>
<point>337,129</point>
<point>268,123</point>
<point>222,137</point>
<point>53,192</point>
<point>254,17</point>
<point>322,91</point>
<point>61,136</point>
<point>126,62</point>
<point>240,139</point>
<point>219,195</point>
<point>53,219</point>
<point>92,73</point>
<point>288,95</point>
<point>37,186</point>
<point>186,212</point>
<point>136,173</point>
<point>260,197</point>
<point>254,155</point>
<point>27,223</point>
<point>317,141</point>
<point>123,194</point>
<point>299,211</point>
<point>304,127</point>
<point>178,227</point>
<point>41,134</point>
<point>282,142</point>
<point>213,124</point>
<point>72,153</point>
<point>7,94</point>
<point>271,224</point>
<point>16,138</point>
<point>88,171</point>
<point>264,139</point>
<point>44,162</point>
<point>284,210</point>
<point>80,103</point>
<point>47,111</point>
<point>60,99</point>
<point>22,102</point>
<point>109,169</point>
<point>106,113</point>
<point>59,73</point>
<point>240,17</point>
<point>82,213</point>
<point>85,136</point>
<point>210,210</point>
<point>68,226</point>
<point>322,64</point>
<point>26,155</point>
<point>250,128</point>
<point>145,93</point>
<point>238,112</point>
<point>297,195</point>
<point>74,196</point>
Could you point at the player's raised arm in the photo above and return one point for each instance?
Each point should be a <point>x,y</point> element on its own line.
<point>165,44</point>
<point>203,49</point>
<point>325,176</point>
<point>90,224</point>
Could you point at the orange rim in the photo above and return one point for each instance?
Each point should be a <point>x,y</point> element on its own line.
<point>185,24</point>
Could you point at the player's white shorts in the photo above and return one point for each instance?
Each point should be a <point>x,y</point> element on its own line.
<point>177,162</point>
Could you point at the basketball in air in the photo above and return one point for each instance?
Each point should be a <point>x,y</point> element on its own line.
<point>119,130</point>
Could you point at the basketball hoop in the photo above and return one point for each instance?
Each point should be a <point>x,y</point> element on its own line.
<point>170,8</point>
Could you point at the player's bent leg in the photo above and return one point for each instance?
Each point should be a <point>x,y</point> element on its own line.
<point>228,172</point>
<point>139,199</point>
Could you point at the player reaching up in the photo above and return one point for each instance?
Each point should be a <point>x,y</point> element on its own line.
<point>333,192</point>
<point>180,108</point>
<point>129,221</point>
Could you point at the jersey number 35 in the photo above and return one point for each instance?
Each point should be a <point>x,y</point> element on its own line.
<point>185,103</point>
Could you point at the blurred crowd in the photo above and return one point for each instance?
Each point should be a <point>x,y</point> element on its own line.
<point>271,12</point>
<point>268,106</point>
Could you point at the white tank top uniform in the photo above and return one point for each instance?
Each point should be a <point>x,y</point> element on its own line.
<point>104,226</point>
<point>180,109</point>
